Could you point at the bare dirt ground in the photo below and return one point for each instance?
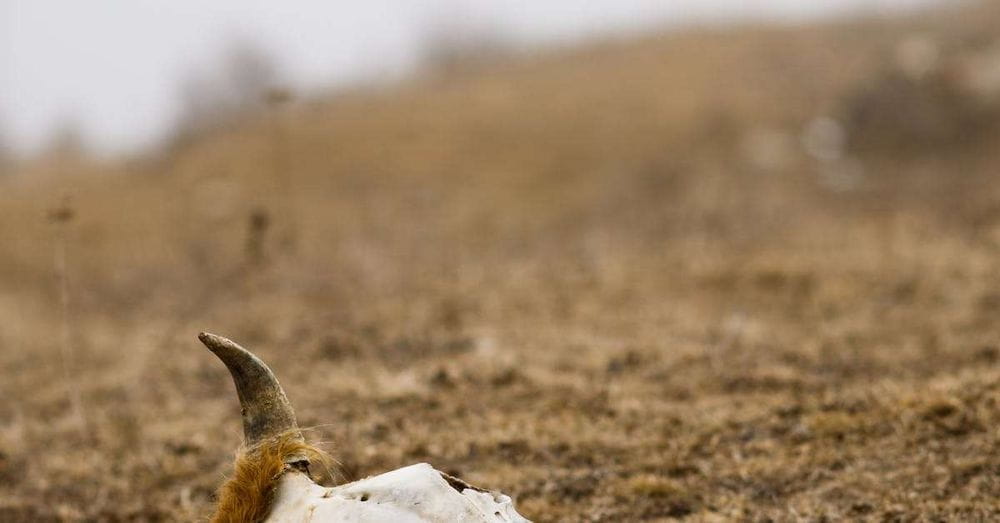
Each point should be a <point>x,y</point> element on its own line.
<point>633,281</point>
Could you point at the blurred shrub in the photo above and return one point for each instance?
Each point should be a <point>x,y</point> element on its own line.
<point>6,152</point>
<point>926,96</point>
<point>67,141</point>
<point>238,85</point>
<point>454,41</point>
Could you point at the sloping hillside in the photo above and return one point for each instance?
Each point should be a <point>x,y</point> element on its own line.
<point>719,274</point>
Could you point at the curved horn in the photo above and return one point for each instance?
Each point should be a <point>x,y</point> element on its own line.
<point>264,406</point>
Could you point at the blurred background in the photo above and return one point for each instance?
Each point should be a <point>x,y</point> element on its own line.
<point>632,260</point>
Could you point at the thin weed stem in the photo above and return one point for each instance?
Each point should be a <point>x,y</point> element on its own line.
<point>61,218</point>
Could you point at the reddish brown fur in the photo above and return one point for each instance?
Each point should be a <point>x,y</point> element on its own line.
<point>247,496</point>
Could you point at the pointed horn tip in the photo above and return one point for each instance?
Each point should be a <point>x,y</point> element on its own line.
<point>266,410</point>
<point>215,342</point>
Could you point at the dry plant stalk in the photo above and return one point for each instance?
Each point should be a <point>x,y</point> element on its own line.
<point>61,217</point>
<point>257,226</point>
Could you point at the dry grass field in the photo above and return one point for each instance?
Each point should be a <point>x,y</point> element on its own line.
<point>636,280</point>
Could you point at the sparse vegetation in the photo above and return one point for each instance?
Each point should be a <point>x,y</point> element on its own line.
<point>609,282</point>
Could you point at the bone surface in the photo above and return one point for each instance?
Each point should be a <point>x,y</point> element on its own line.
<point>416,493</point>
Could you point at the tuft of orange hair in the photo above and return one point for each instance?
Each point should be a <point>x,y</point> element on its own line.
<point>247,496</point>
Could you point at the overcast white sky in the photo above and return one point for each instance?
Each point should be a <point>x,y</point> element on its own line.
<point>115,65</point>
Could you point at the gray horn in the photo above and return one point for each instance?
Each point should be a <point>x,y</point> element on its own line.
<point>265,408</point>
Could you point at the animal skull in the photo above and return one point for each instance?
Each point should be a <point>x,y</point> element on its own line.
<point>417,493</point>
